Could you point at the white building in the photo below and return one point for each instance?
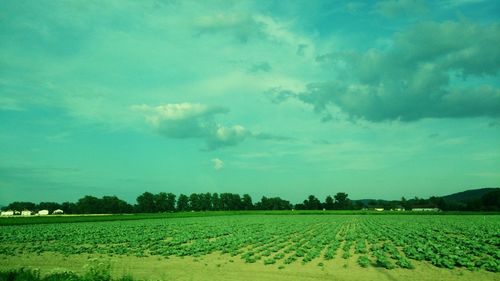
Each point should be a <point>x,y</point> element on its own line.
<point>43,212</point>
<point>26,213</point>
<point>426,209</point>
<point>58,212</point>
<point>379,209</point>
<point>7,213</point>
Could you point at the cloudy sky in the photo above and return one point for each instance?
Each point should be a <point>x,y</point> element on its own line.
<point>288,98</point>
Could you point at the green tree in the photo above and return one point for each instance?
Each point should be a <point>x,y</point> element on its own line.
<point>341,201</point>
<point>89,205</point>
<point>246,202</point>
<point>146,203</point>
<point>216,202</point>
<point>329,203</point>
<point>164,202</point>
<point>171,202</point>
<point>69,208</point>
<point>21,206</point>
<point>205,201</point>
<point>113,205</point>
<point>406,204</point>
<point>51,206</point>
<point>274,203</point>
<point>491,200</point>
<point>312,203</point>
<point>183,203</point>
<point>195,202</point>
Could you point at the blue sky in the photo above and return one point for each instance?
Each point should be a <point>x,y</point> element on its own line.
<point>279,98</point>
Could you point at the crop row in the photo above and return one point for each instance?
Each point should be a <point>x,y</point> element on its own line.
<point>471,242</point>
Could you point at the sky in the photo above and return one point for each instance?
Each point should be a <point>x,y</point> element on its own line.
<point>278,98</point>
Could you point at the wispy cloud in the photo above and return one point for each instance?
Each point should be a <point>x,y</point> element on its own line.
<point>395,8</point>
<point>218,164</point>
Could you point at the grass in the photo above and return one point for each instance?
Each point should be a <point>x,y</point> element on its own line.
<point>24,274</point>
<point>216,267</point>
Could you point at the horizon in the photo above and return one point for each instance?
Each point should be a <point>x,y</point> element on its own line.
<point>384,99</point>
<point>254,199</point>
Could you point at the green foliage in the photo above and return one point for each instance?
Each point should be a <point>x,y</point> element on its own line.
<point>384,241</point>
<point>363,261</point>
<point>98,270</point>
<point>94,274</point>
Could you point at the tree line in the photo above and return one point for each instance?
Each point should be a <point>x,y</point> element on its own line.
<point>160,202</point>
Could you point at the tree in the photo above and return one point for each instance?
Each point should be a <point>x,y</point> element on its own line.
<point>69,208</point>
<point>341,201</point>
<point>300,206</point>
<point>274,203</point>
<point>164,202</point>
<point>225,201</point>
<point>195,202</point>
<point>113,205</point>
<point>329,203</point>
<point>88,205</point>
<point>312,203</point>
<point>234,202</point>
<point>51,206</point>
<point>183,203</point>
<point>21,206</point>
<point>491,200</point>
<point>146,203</point>
<point>205,201</point>
<point>171,202</point>
<point>216,202</point>
<point>406,204</point>
<point>246,202</point>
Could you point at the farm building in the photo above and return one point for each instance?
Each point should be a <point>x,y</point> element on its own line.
<point>26,213</point>
<point>7,213</point>
<point>378,209</point>
<point>426,209</point>
<point>43,212</point>
<point>58,212</point>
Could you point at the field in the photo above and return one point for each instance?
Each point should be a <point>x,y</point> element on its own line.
<point>267,247</point>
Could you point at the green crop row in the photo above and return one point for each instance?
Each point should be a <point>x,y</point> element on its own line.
<point>382,241</point>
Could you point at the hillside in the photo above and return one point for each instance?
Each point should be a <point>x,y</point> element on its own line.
<point>468,195</point>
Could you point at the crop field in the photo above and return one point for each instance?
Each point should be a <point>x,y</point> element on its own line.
<point>389,243</point>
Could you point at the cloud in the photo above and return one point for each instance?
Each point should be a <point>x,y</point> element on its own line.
<point>266,136</point>
<point>260,67</point>
<point>457,3</point>
<point>241,26</point>
<point>218,164</point>
<point>246,28</point>
<point>395,8</point>
<point>197,121</point>
<point>193,120</point>
<point>433,70</point>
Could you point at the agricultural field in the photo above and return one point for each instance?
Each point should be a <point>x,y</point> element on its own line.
<point>295,247</point>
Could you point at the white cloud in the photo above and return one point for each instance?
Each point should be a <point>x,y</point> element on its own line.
<point>193,120</point>
<point>218,164</point>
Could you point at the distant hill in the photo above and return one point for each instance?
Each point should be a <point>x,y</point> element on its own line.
<point>468,195</point>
